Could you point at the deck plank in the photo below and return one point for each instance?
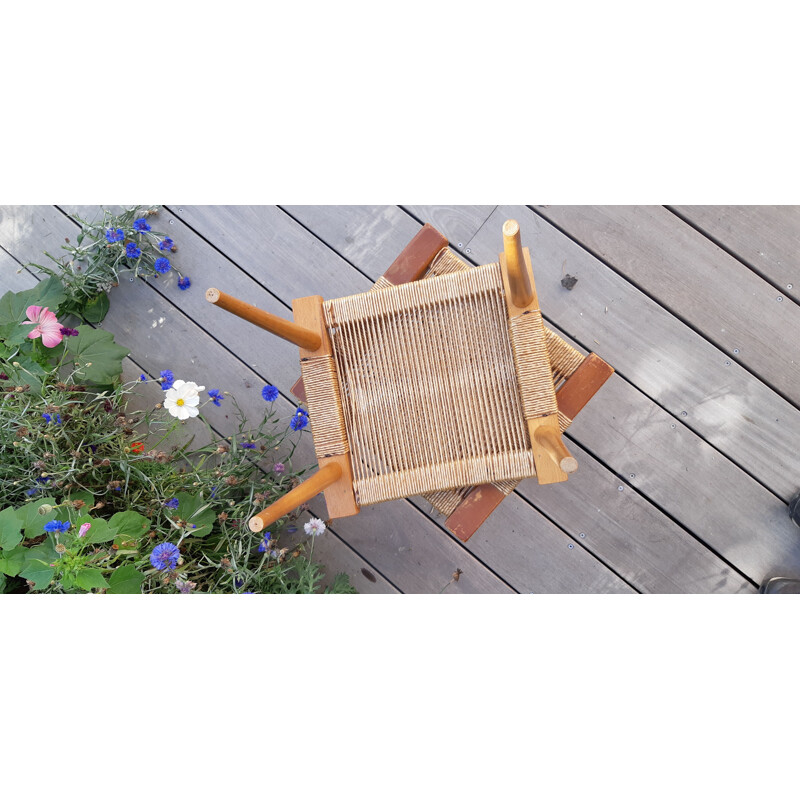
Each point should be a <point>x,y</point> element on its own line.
<point>697,281</point>
<point>659,558</point>
<point>330,551</point>
<point>308,275</point>
<point>697,485</point>
<point>766,238</point>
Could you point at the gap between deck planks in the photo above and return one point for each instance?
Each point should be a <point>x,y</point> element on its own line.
<point>412,533</point>
<point>331,551</point>
<point>765,238</point>
<point>393,232</point>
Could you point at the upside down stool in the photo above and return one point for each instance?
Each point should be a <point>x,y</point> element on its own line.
<point>441,381</point>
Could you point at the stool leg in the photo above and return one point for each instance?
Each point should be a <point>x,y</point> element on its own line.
<point>522,292</point>
<point>309,488</point>
<point>291,331</point>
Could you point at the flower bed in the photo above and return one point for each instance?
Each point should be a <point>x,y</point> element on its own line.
<point>99,489</point>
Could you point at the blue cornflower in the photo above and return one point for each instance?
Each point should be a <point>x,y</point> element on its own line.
<point>114,235</point>
<point>167,379</point>
<point>301,410</point>
<point>270,393</point>
<point>141,225</point>
<point>298,422</point>
<point>248,445</point>
<point>58,419</point>
<point>166,244</point>
<point>31,492</point>
<point>46,417</point>
<point>215,395</point>
<point>173,503</point>
<point>132,250</point>
<point>165,556</point>
<point>143,377</point>
<point>262,547</point>
<point>162,265</point>
<point>184,283</point>
<point>54,526</point>
<point>213,492</point>
<point>44,480</point>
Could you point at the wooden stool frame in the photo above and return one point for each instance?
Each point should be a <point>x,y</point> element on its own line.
<point>552,459</point>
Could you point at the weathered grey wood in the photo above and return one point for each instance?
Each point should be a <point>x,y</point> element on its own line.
<point>303,273</point>
<point>462,222</point>
<point>766,238</point>
<point>697,485</point>
<point>696,280</point>
<point>12,277</point>
<point>542,558</point>
<point>664,557</point>
<point>330,550</point>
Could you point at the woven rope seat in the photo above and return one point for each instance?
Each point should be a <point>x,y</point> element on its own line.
<point>428,386</point>
<point>428,396</point>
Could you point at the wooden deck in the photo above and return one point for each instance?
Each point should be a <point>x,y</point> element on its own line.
<point>688,455</point>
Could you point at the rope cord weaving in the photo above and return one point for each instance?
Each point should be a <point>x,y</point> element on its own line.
<point>429,386</point>
<point>324,406</point>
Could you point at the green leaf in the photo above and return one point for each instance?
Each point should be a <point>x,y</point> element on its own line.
<point>96,357</point>
<point>39,572</point>
<point>128,525</point>
<point>10,529</point>
<point>95,308</point>
<point>12,561</point>
<point>99,532</point>
<point>125,580</point>
<point>2,583</point>
<point>48,293</point>
<point>341,585</point>
<point>33,522</point>
<point>90,579</point>
<point>28,372</point>
<point>46,551</point>
<point>196,511</point>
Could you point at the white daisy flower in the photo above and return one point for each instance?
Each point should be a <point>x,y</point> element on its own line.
<point>314,527</point>
<point>182,399</point>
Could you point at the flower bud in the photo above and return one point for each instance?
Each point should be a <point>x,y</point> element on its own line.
<point>45,509</point>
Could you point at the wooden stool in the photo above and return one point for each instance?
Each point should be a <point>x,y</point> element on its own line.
<point>450,387</point>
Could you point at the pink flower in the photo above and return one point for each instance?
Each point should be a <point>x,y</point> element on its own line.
<point>85,527</point>
<point>47,326</point>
